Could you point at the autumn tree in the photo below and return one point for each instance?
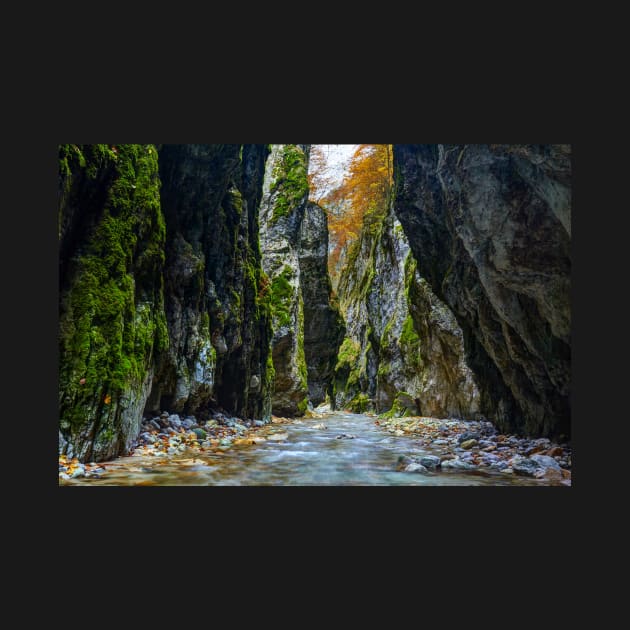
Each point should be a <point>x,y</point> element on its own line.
<point>363,195</point>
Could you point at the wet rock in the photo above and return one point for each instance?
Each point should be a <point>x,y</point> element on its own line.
<point>259,423</point>
<point>147,437</point>
<point>320,425</point>
<point>416,468</point>
<point>79,471</point>
<point>467,444</point>
<point>345,436</point>
<point>155,425</point>
<point>546,461</point>
<point>526,467</point>
<point>431,461</point>
<point>188,423</point>
<point>440,442</point>
<point>468,435</point>
<point>456,464</point>
<point>175,421</point>
<point>499,465</point>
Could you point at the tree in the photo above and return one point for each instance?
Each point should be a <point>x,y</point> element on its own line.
<point>364,193</point>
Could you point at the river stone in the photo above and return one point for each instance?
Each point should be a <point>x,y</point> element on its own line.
<point>457,464</point>
<point>431,461</point>
<point>175,421</point>
<point>79,471</point>
<point>546,462</point>
<point>416,468</point>
<point>467,435</point>
<point>467,444</point>
<point>525,466</point>
<point>200,433</point>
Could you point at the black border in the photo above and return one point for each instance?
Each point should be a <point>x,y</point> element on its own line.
<point>525,114</point>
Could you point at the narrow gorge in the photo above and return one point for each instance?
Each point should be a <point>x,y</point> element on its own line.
<point>223,304</point>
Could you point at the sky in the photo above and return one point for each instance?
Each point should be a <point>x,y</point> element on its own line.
<point>338,156</point>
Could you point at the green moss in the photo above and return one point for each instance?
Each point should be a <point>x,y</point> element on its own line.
<point>302,406</point>
<point>410,344</point>
<point>348,354</point>
<point>110,325</point>
<point>281,295</point>
<point>301,358</point>
<point>290,181</point>
<point>360,403</point>
<point>398,410</point>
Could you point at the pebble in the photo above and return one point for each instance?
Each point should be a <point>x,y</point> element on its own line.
<point>468,445</point>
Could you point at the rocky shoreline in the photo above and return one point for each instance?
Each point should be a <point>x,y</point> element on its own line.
<point>453,445</point>
<point>477,445</point>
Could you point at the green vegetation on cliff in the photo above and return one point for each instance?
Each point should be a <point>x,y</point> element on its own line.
<point>290,180</point>
<point>112,317</point>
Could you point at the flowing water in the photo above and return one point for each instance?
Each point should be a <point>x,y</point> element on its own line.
<point>309,456</point>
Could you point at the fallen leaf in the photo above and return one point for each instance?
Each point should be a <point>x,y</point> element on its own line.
<point>107,399</point>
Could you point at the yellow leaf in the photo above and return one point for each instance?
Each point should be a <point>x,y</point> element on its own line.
<point>108,399</point>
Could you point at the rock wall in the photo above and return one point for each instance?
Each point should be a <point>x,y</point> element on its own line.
<point>285,193</point>
<point>218,323</point>
<point>403,351</point>
<point>490,227</point>
<point>163,301</point>
<point>323,325</point>
<point>111,316</point>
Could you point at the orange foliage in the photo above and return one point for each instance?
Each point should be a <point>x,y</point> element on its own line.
<point>365,189</point>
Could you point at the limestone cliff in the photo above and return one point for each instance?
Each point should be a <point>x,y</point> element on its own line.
<point>323,325</point>
<point>218,325</point>
<point>285,193</point>
<point>111,315</point>
<point>403,351</point>
<point>163,301</point>
<point>490,227</point>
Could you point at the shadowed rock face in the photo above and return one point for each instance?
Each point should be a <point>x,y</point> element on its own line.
<point>111,316</point>
<point>162,299</point>
<point>323,326</point>
<point>219,334</point>
<point>490,228</point>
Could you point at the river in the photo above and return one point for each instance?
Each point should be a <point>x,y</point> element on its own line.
<point>308,456</point>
